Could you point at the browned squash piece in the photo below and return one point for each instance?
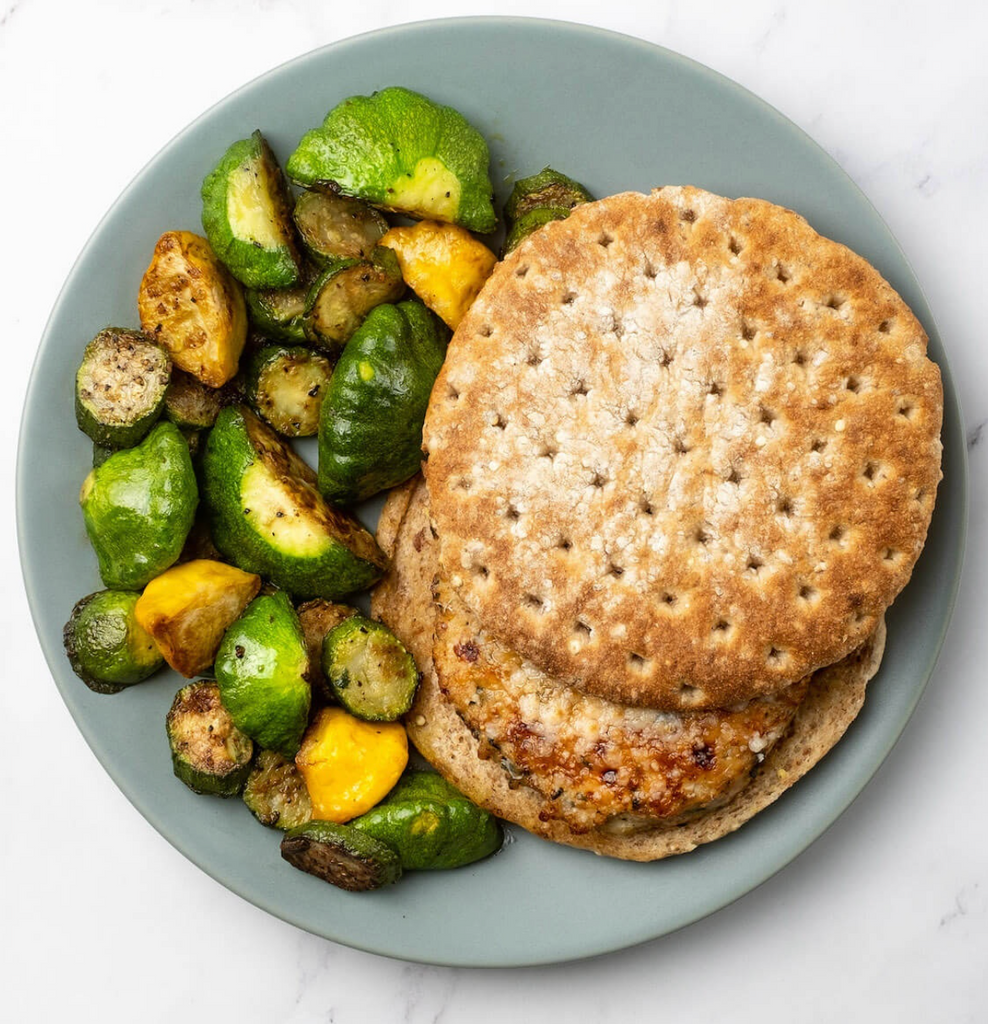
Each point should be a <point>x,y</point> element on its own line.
<point>188,609</point>
<point>443,264</point>
<point>350,765</point>
<point>190,303</point>
<point>317,618</point>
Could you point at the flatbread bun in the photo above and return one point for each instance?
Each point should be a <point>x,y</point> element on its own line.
<point>404,601</point>
<point>683,450</point>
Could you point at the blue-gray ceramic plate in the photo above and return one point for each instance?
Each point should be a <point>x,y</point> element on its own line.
<point>615,113</point>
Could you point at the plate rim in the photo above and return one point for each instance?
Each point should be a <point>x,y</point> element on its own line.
<point>952,407</point>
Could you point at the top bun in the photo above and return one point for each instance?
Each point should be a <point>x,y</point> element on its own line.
<point>684,450</point>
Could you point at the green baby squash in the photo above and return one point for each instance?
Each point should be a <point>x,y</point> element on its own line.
<point>106,645</point>
<point>402,152</point>
<point>431,824</point>
<point>370,424</point>
<point>260,669</point>
<point>139,505</point>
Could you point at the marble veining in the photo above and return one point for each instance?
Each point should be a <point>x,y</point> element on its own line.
<point>975,433</point>
<point>970,899</point>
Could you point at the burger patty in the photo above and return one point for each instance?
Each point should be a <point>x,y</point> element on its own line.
<point>597,762</point>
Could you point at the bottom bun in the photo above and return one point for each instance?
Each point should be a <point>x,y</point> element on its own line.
<point>404,601</point>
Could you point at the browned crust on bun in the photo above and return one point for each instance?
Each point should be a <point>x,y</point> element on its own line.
<point>684,450</point>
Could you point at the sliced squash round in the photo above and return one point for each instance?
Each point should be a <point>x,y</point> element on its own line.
<point>334,227</point>
<point>345,292</point>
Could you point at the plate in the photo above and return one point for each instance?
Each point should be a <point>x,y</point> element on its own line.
<point>616,113</point>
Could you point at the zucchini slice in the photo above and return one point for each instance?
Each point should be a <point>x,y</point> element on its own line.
<point>279,313</point>
<point>286,387</point>
<point>538,199</point>
<point>209,753</point>
<point>106,645</point>
<point>268,516</point>
<point>334,227</point>
<point>189,404</point>
<point>371,673</point>
<point>546,189</point>
<point>530,222</point>
<point>344,293</point>
<point>120,387</point>
<point>275,792</point>
<point>247,216</point>
<point>343,856</point>
<point>317,618</point>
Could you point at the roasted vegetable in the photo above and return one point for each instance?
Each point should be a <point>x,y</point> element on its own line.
<point>260,667</point>
<point>275,792</point>
<point>538,199</point>
<point>344,293</point>
<point>317,618</point>
<point>349,765</point>
<point>234,391</point>
<point>188,609</point>
<point>443,264</point>
<point>286,387</point>
<point>547,189</point>
<point>120,387</point>
<point>401,152</point>
<point>371,673</point>
<point>530,222</point>
<point>431,824</point>
<point>370,427</point>
<point>190,303</point>
<point>268,517</point>
<point>107,647</point>
<point>334,227</point>
<point>189,404</point>
<point>247,216</point>
<point>199,542</point>
<point>341,855</point>
<point>192,438</point>
<point>279,313</point>
<point>139,506</point>
<point>209,753</point>
<point>101,454</point>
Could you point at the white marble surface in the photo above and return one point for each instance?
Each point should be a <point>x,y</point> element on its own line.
<point>885,918</point>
